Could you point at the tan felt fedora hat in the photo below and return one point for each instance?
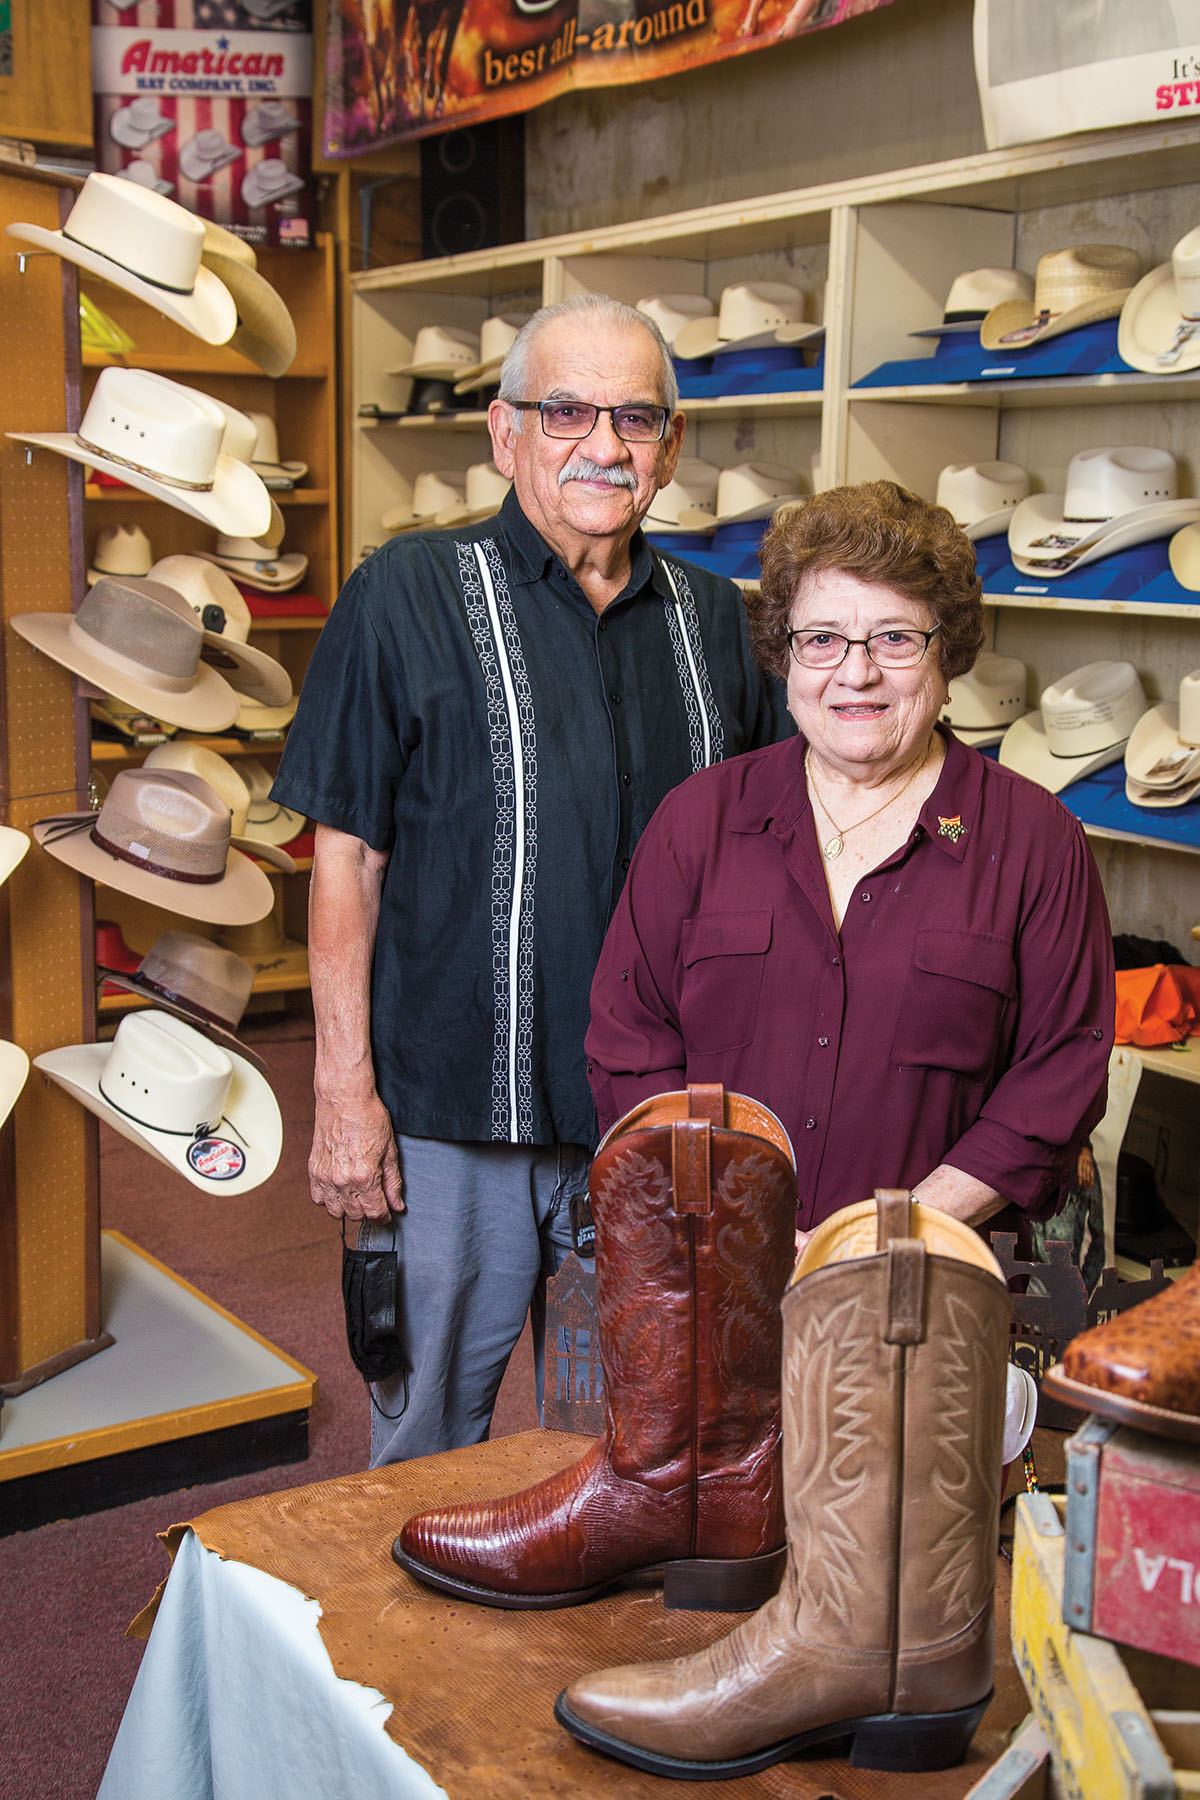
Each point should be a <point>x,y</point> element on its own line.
<point>138,640</point>
<point>671,312</point>
<point>13,845</point>
<point>497,335</point>
<point>201,1109</point>
<point>121,550</point>
<point>14,1068</point>
<point>972,296</point>
<point>267,820</point>
<point>486,490</point>
<point>1072,287</point>
<point>146,244</point>
<point>186,758</point>
<point>982,704</point>
<point>441,352</point>
<point>225,618</point>
<point>256,564</point>
<point>165,439</point>
<point>163,837</point>
<point>196,979</point>
<point>981,496</point>
<point>751,315</point>
<point>1084,723</point>
<point>1159,330</point>
<point>692,493</point>
<point>265,330</point>
<point>1115,497</point>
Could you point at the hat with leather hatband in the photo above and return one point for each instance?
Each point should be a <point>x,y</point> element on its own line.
<point>972,296</point>
<point>982,704</point>
<point>1159,330</point>
<point>1084,723</point>
<point>1072,287</point>
<point>981,496</point>
<point>201,1109</point>
<point>225,619</point>
<point>198,980</point>
<point>1116,497</point>
<point>186,758</point>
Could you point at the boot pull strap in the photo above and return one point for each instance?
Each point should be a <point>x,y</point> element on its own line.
<point>706,1100</point>
<point>691,1165</point>
<point>892,1213</point>
<point>906,1266</point>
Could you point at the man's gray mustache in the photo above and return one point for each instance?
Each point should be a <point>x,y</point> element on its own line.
<point>583,469</point>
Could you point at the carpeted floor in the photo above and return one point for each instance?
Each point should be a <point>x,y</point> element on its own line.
<point>70,1588</point>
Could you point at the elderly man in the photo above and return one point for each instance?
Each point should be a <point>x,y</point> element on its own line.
<point>490,717</point>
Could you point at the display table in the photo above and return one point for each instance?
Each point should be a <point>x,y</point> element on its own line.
<point>291,1658</point>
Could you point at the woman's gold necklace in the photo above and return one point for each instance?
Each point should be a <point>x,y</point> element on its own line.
<point>837,843</point>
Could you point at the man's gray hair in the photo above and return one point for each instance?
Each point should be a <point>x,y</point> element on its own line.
<point>591,311</point>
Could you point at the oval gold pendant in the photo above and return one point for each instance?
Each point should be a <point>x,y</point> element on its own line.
<point>833,848</point>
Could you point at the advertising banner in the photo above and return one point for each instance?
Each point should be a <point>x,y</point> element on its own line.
<point>398,69</point>
<point>1050,67</point>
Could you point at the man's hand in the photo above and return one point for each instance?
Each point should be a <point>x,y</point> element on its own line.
<point>353,1170</point>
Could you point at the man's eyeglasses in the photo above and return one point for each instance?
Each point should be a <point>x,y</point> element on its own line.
<point>576,418</point>
<point>899,648</point>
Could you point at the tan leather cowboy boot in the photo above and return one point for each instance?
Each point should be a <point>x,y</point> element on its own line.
<point>694,1200</point>
<point>881,1633</point>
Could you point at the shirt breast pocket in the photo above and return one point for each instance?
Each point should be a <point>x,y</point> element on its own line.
<point>956,995</point>
<point>723,958</point>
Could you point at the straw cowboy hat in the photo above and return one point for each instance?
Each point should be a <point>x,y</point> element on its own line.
<point>442,353</point>
<point>184,758</point>
<point>114,721</point>
<point>257,564</point>
<point>1162,757</point>
<point>1159,329</point>
<point>201,1109</point>
<point>145,175</point>
<point>1072,287</point>
<point>1084,722</point>
<point>163,837</point>
<point>139,123</point>
<point>972,296</point>
<point>749,490</point>
<point>13,845</point>
<point>121,550</point>
<point>255,720</point>
<point>165,439</point>
<point>144,243</point>
<point>671,312</point>
<point>981,496</point>
<point>497,335</point>
<point>265,459</point>
<point>265,331</point>
<point>206,154</point>
<point>434,491</point>
<point>14,1068</point>
<point>982,704</point>
<point>751,315</point>
<point>225,617</point>
<point>486,489</point>
<point>137,639</point>
<point>1115,497</point>
<point>267,820</point>
<point>269,181</point>
<point>267,123</point>
<point>198,980</point>
<point>693,493</point>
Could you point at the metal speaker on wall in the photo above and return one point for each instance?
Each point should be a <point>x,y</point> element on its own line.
<point>473,187</point>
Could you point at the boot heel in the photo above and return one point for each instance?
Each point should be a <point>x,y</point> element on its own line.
<point>918,1743</point>
<point>705,1584</point>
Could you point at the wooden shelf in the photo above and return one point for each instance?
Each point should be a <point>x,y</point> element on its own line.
<point>1022,394</point>
<point>182,364</point>
<point>1145,609</point>
<point>104,752</point>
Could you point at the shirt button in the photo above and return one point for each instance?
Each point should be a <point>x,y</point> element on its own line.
<point>810,1124</point>
<point>624,974</point>
<point>626,779</point>
<point>624,862</point>
<point>1097,1033</point>
<point>824,1043</point>
<point>591,1065</point>
<point>864,896</point>
<point>837,962</point>
<point>615,698</point>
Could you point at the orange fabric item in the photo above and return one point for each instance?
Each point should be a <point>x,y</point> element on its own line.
<point>1158,1005</point>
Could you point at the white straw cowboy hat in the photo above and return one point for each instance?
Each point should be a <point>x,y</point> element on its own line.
<point>139,123</point>
<point>165,439</point>
<point>144,174</point>
<point>1116,496</point>
<point>198,980</point>
<point>267,722</point>
<point>13,845</point>
<point>137,639</point>
<point>265,330</point>
<point>1072,287</point>
<point>185,758</point>
<point>693,493</point>
<point>265,459</point>
<point>121,550</point>
<point>206,154</point>
<point>749,490</point>
<point>267,123</point>
<point>982,704</point>
<point>1159,330</point>
<point>1161,770</point>
<point>497,335</point>
<point>441,352</point>
<point>144,243</point>
<point>225,617</point>
<point>671,312</point>
<point>485,492</point>
<point>972,296</point>
<point>268,181</point>
<point>201,1109</point>
<point>163,837</point>
<point>14,1069</point>
<point>433,491</point>
<point>981,496</point>
<point>1084,722</point>
<point>257,564</point>
<point>751,315</point>
<point>267,820</point>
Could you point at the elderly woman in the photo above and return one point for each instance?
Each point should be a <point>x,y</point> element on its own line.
<point>899,946</point>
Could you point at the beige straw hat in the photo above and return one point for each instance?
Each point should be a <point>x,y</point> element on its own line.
<point>486,490</point>
<point>14,1068</point>
<point>1072,287</point>
<point>267,821</point>
<point>441,352</point>
<point>1160,320</point>
<point>186,758</point>
<point>433,492</point>
<point>981,496</point>
<point>256,564</point>
<point>196,979</point>
<point>692,492</point>
<point>671,312</point>
<point>1116,497</point>
<point>751,315</point>
<point>265,332</point>
<point>13,845</point>
<point>121,550</point>
<point>497,335</point>
<point>983,703</point>
<point>1084,723</point>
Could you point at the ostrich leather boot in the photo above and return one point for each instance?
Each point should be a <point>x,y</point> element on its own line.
<point>694,1201</point>
<point>881,1632</point>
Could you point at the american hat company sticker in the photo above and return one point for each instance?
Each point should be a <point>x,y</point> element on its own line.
<point>216,1158</point>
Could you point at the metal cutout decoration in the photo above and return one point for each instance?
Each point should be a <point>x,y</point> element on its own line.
<point>574,1399</point>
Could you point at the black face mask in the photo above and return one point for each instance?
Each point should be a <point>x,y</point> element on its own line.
<point>371,1294</point>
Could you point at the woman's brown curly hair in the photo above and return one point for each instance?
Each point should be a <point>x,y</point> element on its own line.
<point>884,535</point>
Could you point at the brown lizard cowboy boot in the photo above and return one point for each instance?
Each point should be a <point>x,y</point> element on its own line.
<point>881,1632</point>
<point>694,1200</point>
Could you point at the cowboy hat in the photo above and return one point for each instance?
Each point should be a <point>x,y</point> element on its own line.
<point>203,1110</point>
<point>1072,287</point>
<point>981,496</point>
<point>113,721</point>
<point>432,492</point>
<point>144,243</point>
<point>1115,497</point>
<point>441,352</point>
<point>185,758</point>
<point>14,1068</point>
<point>139,640</point>
<point>238,440</point>
<point>196,979</point>
<point>264,455</point>
<point>268,181</point>
<point>257,564</point>
<point>165,439</point>
<point>225,617</point>
<point>692,492</point>
<point>206,154</point>
<point>265,331</point>
<point>139,123</point>
<point>162,837</point>
<point>486,489</point>
<point>1160,769</point>
<point>270,822</point>
<point>266,949</point>
<point>265,722</point>
<point>267,122</point>
<point>145,175</point>
<point>671,312</point>
<point>983,703</point>
<point>749,490</point>
<point>750,316</point>
<point>1159,330</point>
<point>497,336</point>
<point>13,845</point>
<point>121,550</point>
<point>972,296</point>
<point>1083,725</point>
